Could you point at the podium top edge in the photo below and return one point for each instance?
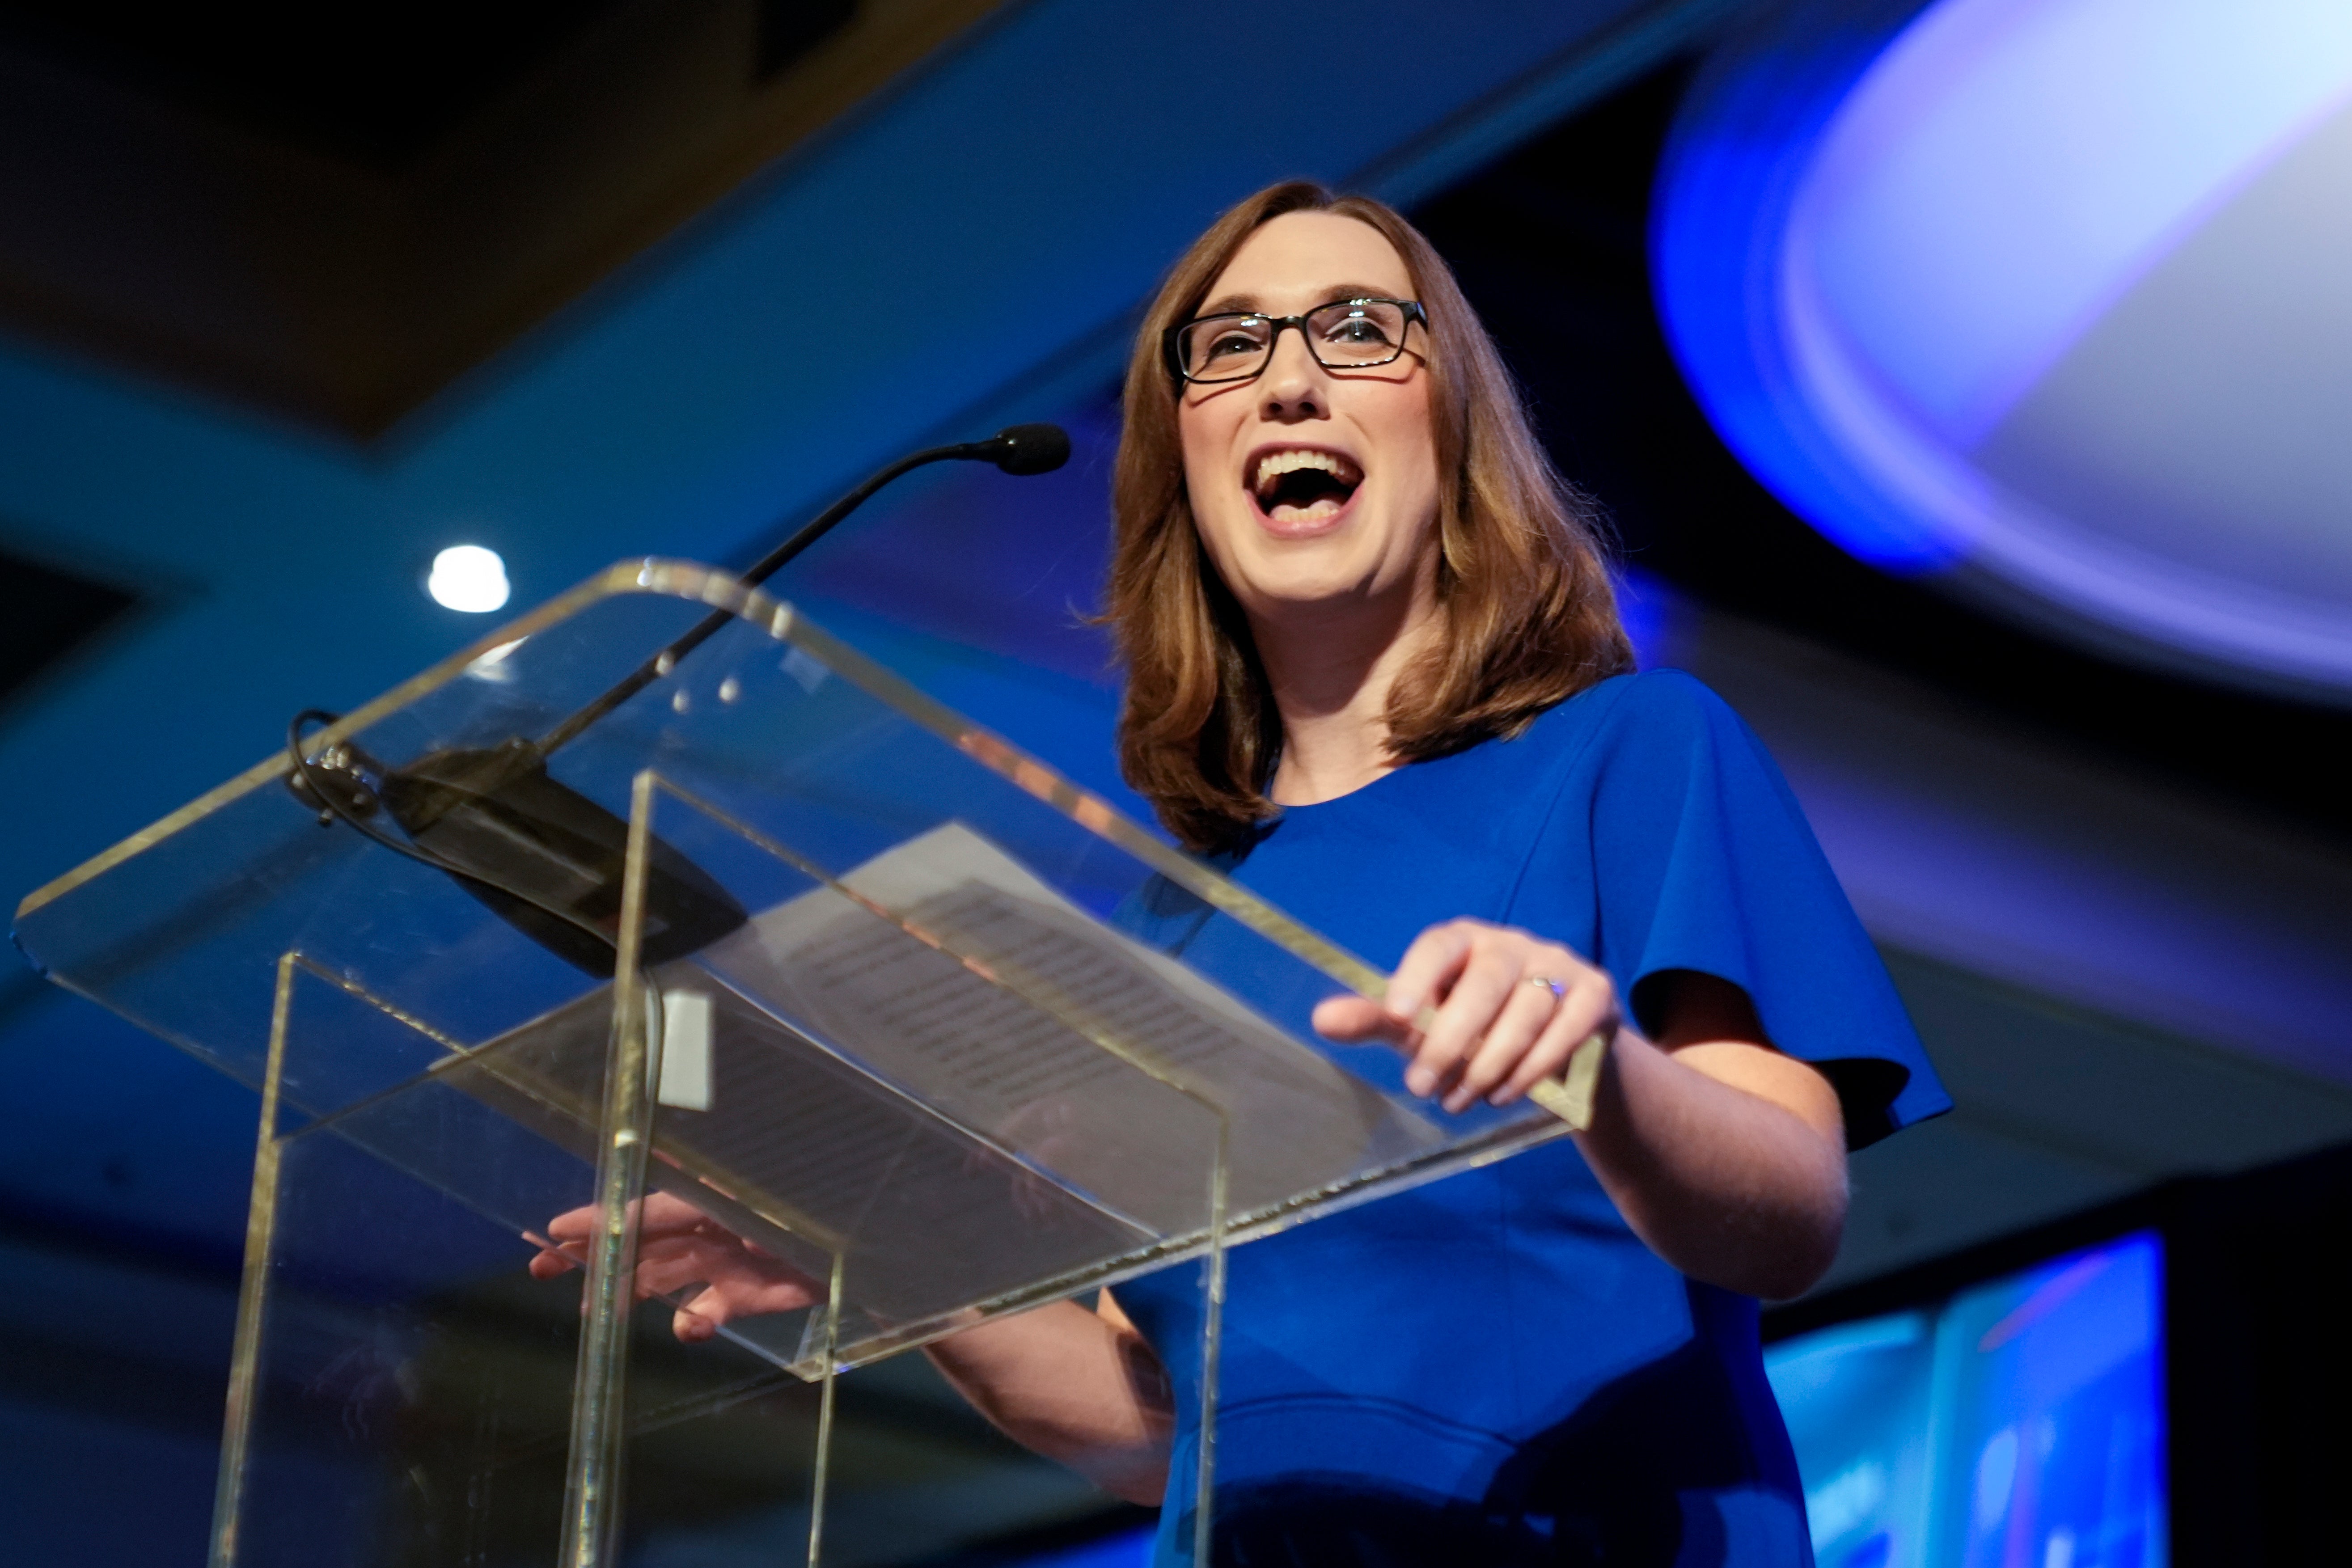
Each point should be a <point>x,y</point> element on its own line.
<point>644,574</point>
<point>721,590</point>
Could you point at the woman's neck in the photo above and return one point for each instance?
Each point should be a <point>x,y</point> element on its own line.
<point>1332,670</point>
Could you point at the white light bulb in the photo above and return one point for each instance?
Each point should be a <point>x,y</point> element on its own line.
<point>469,577</point>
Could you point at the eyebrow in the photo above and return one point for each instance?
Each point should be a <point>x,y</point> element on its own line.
<point>1247,304</point>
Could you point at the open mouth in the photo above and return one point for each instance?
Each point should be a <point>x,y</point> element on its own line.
<point>1299,485</point>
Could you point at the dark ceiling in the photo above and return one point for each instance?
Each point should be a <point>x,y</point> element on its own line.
<point>372,85</point>
<point>46,615</point>
<point>332,213</point>
<point>1550,244</point>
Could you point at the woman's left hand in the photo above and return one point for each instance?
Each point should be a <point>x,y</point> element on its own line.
<point>1511,1008</point>
<point>680,1248</point>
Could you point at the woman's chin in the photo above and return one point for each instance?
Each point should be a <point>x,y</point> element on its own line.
<point>1310,592</point>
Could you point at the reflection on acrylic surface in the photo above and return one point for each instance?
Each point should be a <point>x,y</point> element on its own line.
<point>2019,1424</point>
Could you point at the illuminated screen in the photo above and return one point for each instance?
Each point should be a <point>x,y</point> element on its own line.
<point>2018,1425</point>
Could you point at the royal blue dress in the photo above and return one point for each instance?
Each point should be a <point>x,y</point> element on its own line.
<point>1492,1369</point>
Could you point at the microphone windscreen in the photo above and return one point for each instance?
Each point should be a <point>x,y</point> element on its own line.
<point>1032,449</point>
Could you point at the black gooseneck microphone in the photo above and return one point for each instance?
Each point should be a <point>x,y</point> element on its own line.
<point>1018,449</point>
<point>543,856</point>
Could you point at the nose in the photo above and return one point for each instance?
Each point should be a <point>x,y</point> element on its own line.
<point>1292,387</point>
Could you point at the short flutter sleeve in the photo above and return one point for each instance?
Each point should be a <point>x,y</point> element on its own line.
<point>1703,861</point>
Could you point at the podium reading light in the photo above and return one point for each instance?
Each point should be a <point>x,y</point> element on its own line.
<point>543,857</point>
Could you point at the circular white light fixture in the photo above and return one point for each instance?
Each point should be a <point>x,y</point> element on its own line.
<point>469,577</point>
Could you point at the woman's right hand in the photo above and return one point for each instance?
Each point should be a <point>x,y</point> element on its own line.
<point>678,1246</point>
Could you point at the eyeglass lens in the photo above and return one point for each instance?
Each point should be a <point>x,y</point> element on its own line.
<point>1347,335</point>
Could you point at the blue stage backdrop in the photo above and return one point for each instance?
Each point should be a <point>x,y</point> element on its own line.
<point>2018,1425</point>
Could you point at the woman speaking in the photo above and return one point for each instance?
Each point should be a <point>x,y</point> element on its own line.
<point>1375,671</point>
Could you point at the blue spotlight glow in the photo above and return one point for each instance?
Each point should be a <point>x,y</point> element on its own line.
<point>1935,275</point>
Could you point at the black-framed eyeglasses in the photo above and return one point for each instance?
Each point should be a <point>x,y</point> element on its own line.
<point>1346,334</point>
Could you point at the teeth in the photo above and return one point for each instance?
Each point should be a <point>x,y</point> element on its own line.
<point>1274,465</point>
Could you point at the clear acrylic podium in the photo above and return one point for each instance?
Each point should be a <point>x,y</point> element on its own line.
<point>870,1018</point>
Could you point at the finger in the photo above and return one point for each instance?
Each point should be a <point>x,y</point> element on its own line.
<point>716,1304</point>
<point>1547,1057</point>
<point>1587,1009</point>
<point>1355,1019</point>
<point>659,1214</point>
<point>784,1297</point>
<point>666,1271</point>
<point>1472,1005</point>
<point>549,1262</point>
<point>669,1278</point>
<point>666,1212</point>
<point>671,1266</point>
<point>1429,965</point>
<point>692,1327</point>
<point>583,1223</point>
<point>1524,1015</point>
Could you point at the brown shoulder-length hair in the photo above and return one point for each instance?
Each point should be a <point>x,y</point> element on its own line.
<point>1531,616</point>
